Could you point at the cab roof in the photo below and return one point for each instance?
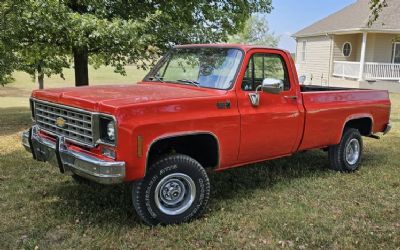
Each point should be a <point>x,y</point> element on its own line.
<point>244,47</point>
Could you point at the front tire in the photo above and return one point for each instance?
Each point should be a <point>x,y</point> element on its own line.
<point>346,156</point>
<point>175,190</point>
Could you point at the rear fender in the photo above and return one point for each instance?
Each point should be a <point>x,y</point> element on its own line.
<point>352,117</point>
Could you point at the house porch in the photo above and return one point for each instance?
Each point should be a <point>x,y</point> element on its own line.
<point>366,56</point>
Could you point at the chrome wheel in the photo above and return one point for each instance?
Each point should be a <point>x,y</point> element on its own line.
<point>352,151</point>
<point>175,193</point>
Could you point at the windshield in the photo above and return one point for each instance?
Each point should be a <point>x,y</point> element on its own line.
<point>202,67</point>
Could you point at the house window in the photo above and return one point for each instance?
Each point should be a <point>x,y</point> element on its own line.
<point>396,52</point>
<point>346,49</point>
<point>303,51</point>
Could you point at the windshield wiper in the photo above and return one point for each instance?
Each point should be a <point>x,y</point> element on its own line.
<point>156,77</point>
<point>192,82</point>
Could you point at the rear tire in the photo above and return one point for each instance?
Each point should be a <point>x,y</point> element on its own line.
<point>346,155</point>
<point>175,190</point>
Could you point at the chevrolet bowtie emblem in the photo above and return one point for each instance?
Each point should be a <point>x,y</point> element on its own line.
<point>60,122</point>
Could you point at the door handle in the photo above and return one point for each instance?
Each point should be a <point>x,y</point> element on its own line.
<point>290,97</point>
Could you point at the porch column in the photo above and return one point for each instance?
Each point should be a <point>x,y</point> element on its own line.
<point>362,58</point>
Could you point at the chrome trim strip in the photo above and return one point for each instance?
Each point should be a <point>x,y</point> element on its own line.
<point>63,106</point>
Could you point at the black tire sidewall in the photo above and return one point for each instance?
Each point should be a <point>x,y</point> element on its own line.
<point>170,165</point>
<point>348,136</point>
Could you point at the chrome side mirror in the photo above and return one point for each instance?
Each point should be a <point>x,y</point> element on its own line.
<point>302,79</point>
<point>273,86</point>
<point>269,85</point>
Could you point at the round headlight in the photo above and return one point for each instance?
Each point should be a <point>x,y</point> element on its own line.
<point>111,131</point>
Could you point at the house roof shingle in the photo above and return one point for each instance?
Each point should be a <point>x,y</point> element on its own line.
<point>355,17</point>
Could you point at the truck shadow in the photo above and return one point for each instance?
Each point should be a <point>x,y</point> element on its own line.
<point>264,175</point>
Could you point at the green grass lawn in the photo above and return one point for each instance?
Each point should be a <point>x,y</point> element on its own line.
<point>294,202</point>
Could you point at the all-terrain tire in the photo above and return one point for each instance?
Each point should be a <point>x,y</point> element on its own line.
<point>175,190</point>
<point>346,155</point>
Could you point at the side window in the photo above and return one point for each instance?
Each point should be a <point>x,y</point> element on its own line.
<point>262,66</point>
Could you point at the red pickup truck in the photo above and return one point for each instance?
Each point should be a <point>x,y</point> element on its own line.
<point>200,107</point>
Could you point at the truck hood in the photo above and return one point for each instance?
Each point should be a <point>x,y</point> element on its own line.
<point>98,98</point>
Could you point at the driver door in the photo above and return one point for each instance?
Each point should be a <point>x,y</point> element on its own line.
<point>273,128</point>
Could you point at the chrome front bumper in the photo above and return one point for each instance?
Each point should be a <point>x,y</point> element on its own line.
<point>70,161</point>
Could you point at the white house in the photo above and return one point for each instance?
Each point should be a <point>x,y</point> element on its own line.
<point>343,50</point>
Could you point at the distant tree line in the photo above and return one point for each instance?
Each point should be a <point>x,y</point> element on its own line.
<point>256,32</point>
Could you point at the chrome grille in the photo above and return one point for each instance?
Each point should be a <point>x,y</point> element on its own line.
<point>77,124</point>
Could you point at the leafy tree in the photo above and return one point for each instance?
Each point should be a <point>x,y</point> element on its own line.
<point>8,60</point>
<point>115,32</point>
<point>376,7</point>
<point>29,41</point>
<point>7,65</point>
<point>256,31</point>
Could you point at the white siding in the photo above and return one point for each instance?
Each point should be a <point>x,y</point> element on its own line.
<point>381,49</point>
<point>354,40</point>
<point>317,63</point>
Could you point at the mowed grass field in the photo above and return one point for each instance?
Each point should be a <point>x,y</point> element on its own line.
<point>294,202</point>
<point>17,93</point>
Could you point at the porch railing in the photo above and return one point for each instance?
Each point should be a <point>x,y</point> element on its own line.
<point>372,71</point>
<point>382,71</point>
<point>346,69</point>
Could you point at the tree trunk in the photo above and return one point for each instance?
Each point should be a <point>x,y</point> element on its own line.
<point>40,76</point>
<point>41,80</point>
<point>81,66</point>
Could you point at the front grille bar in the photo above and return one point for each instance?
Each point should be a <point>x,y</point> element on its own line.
<point>77,125</point>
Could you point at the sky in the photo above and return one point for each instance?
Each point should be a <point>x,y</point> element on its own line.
<point>290,16</point>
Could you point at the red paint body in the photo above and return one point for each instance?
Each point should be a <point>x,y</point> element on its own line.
<point>280,126</point>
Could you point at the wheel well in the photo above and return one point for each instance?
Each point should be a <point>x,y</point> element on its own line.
<point>201,147</point>
<point>364,125</point>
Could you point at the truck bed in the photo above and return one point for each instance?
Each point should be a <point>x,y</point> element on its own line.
<point>328,109</point>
